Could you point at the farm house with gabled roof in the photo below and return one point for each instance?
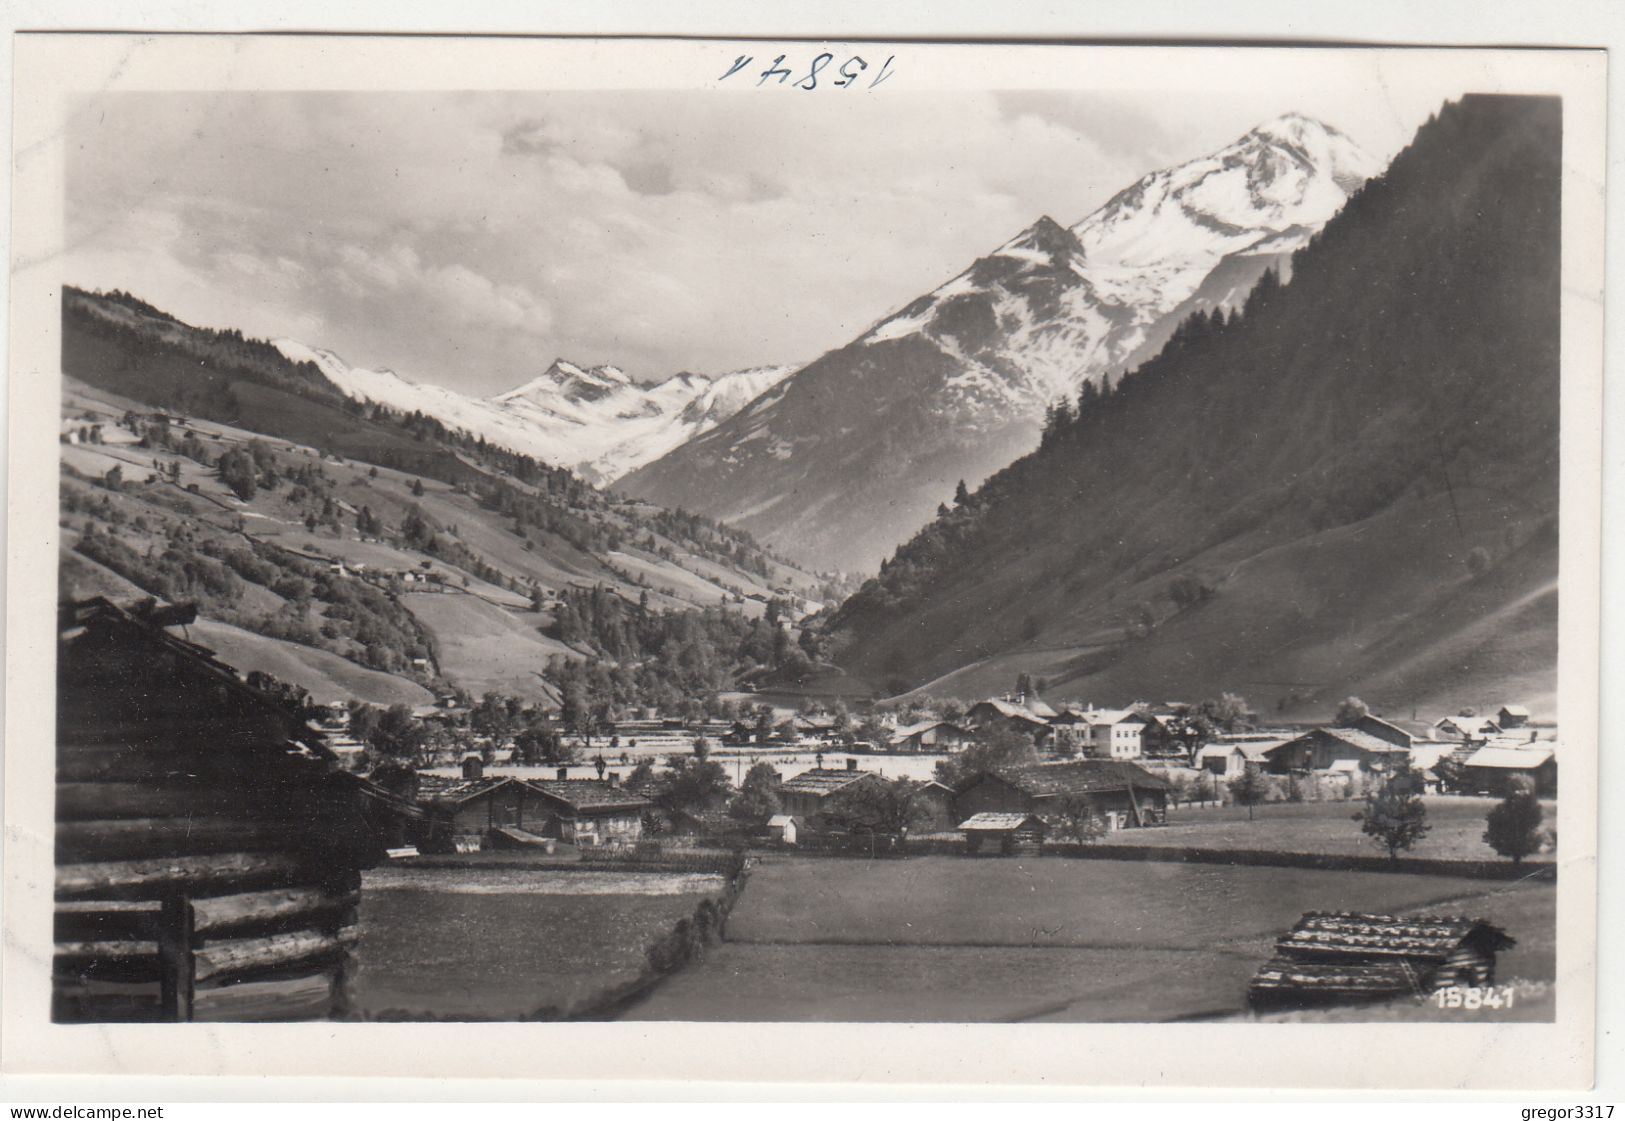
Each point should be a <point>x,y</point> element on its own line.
<point>806,796</point>
<point>1490,770</point>
<point>1124,794</point>
<point>1348,957</point>
<point>1327,749</point>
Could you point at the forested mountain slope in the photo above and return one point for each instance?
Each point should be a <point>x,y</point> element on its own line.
<point>1351,487</point>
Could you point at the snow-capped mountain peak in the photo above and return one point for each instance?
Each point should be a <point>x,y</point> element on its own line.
<point>594,419</point>
<point>575,383</point>
<point>1291,172</point>
<point>835,462</point>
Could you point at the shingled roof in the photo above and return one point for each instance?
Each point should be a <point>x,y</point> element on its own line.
<point>1327,934</point>
<point>1365,741</point>
<point>1080,776</point>
<point>824,780</point>
<point>588,794</point>
<point>1512,758</point>
<point>440,790</point>
<point>1347,956</point>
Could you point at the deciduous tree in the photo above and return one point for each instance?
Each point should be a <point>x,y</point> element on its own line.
<point>1514,825</point>
<point>1394,815</point>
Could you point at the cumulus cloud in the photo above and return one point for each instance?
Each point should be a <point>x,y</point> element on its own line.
<point>469,238</point>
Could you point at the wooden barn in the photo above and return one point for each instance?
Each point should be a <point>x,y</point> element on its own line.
<point>208,847</point>
<point>930,736</point>
<point>463,812</point>
<point>1003,834</point>
<point>1491,770</point>
<point>1327,749</point>
<point>934,805</point>
<point>1345,957</point>
<point>807,796</point>
<point>1124,794</point>
<point>584,811</point>
<point>470,813</point>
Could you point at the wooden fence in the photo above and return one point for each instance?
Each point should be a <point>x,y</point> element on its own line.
<point>169,950</point>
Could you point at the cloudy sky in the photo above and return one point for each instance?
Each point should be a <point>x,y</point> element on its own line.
<point>467,239</point>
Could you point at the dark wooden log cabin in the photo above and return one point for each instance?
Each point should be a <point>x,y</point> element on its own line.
<point>1348,958</point>
<point>208,848</point>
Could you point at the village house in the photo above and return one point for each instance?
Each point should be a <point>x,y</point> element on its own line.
<point>1383,730</point>
<point>1490,770</point>
<point>1121,793</point>
<point>1330,749</point>
<point>930,736</point>
<point>183,793</point>
<point>934,803</point>
<point>1469,728</point>
<point>1230,759</point>
<point>585,811</point>
<point>1118,734</point>
<point>1037,706</point>
<point>464,812</point>
<point>1164,736</point>
<point>807,796</point>
<point>996,712</point>
<point>477,811</point>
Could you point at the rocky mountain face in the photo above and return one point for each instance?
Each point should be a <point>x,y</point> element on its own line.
<point>1349,487</point>
<point>595,420</point>
<point>842,459</point>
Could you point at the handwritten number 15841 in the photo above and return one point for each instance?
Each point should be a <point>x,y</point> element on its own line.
<point>844,75</point>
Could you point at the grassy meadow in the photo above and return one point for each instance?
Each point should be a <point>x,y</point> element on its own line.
<point>1456,833</point>
<point>954,939</point>
<point>507,944</point>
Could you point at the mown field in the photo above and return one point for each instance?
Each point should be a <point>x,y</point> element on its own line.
<point>492,944</point>
<point>1456,833</point>
<point>954,939</point>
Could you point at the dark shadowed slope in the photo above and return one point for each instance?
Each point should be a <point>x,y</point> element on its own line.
<point>1354,482</point>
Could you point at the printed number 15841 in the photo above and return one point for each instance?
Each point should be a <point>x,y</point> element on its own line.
<point>1475,997</point>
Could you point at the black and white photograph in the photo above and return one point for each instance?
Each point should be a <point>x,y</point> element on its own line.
<point>814,533</point>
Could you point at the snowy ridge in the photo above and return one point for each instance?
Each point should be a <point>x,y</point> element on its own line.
<point>1076,304</point>
<point>595,420</point>
<point>837,464</point>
